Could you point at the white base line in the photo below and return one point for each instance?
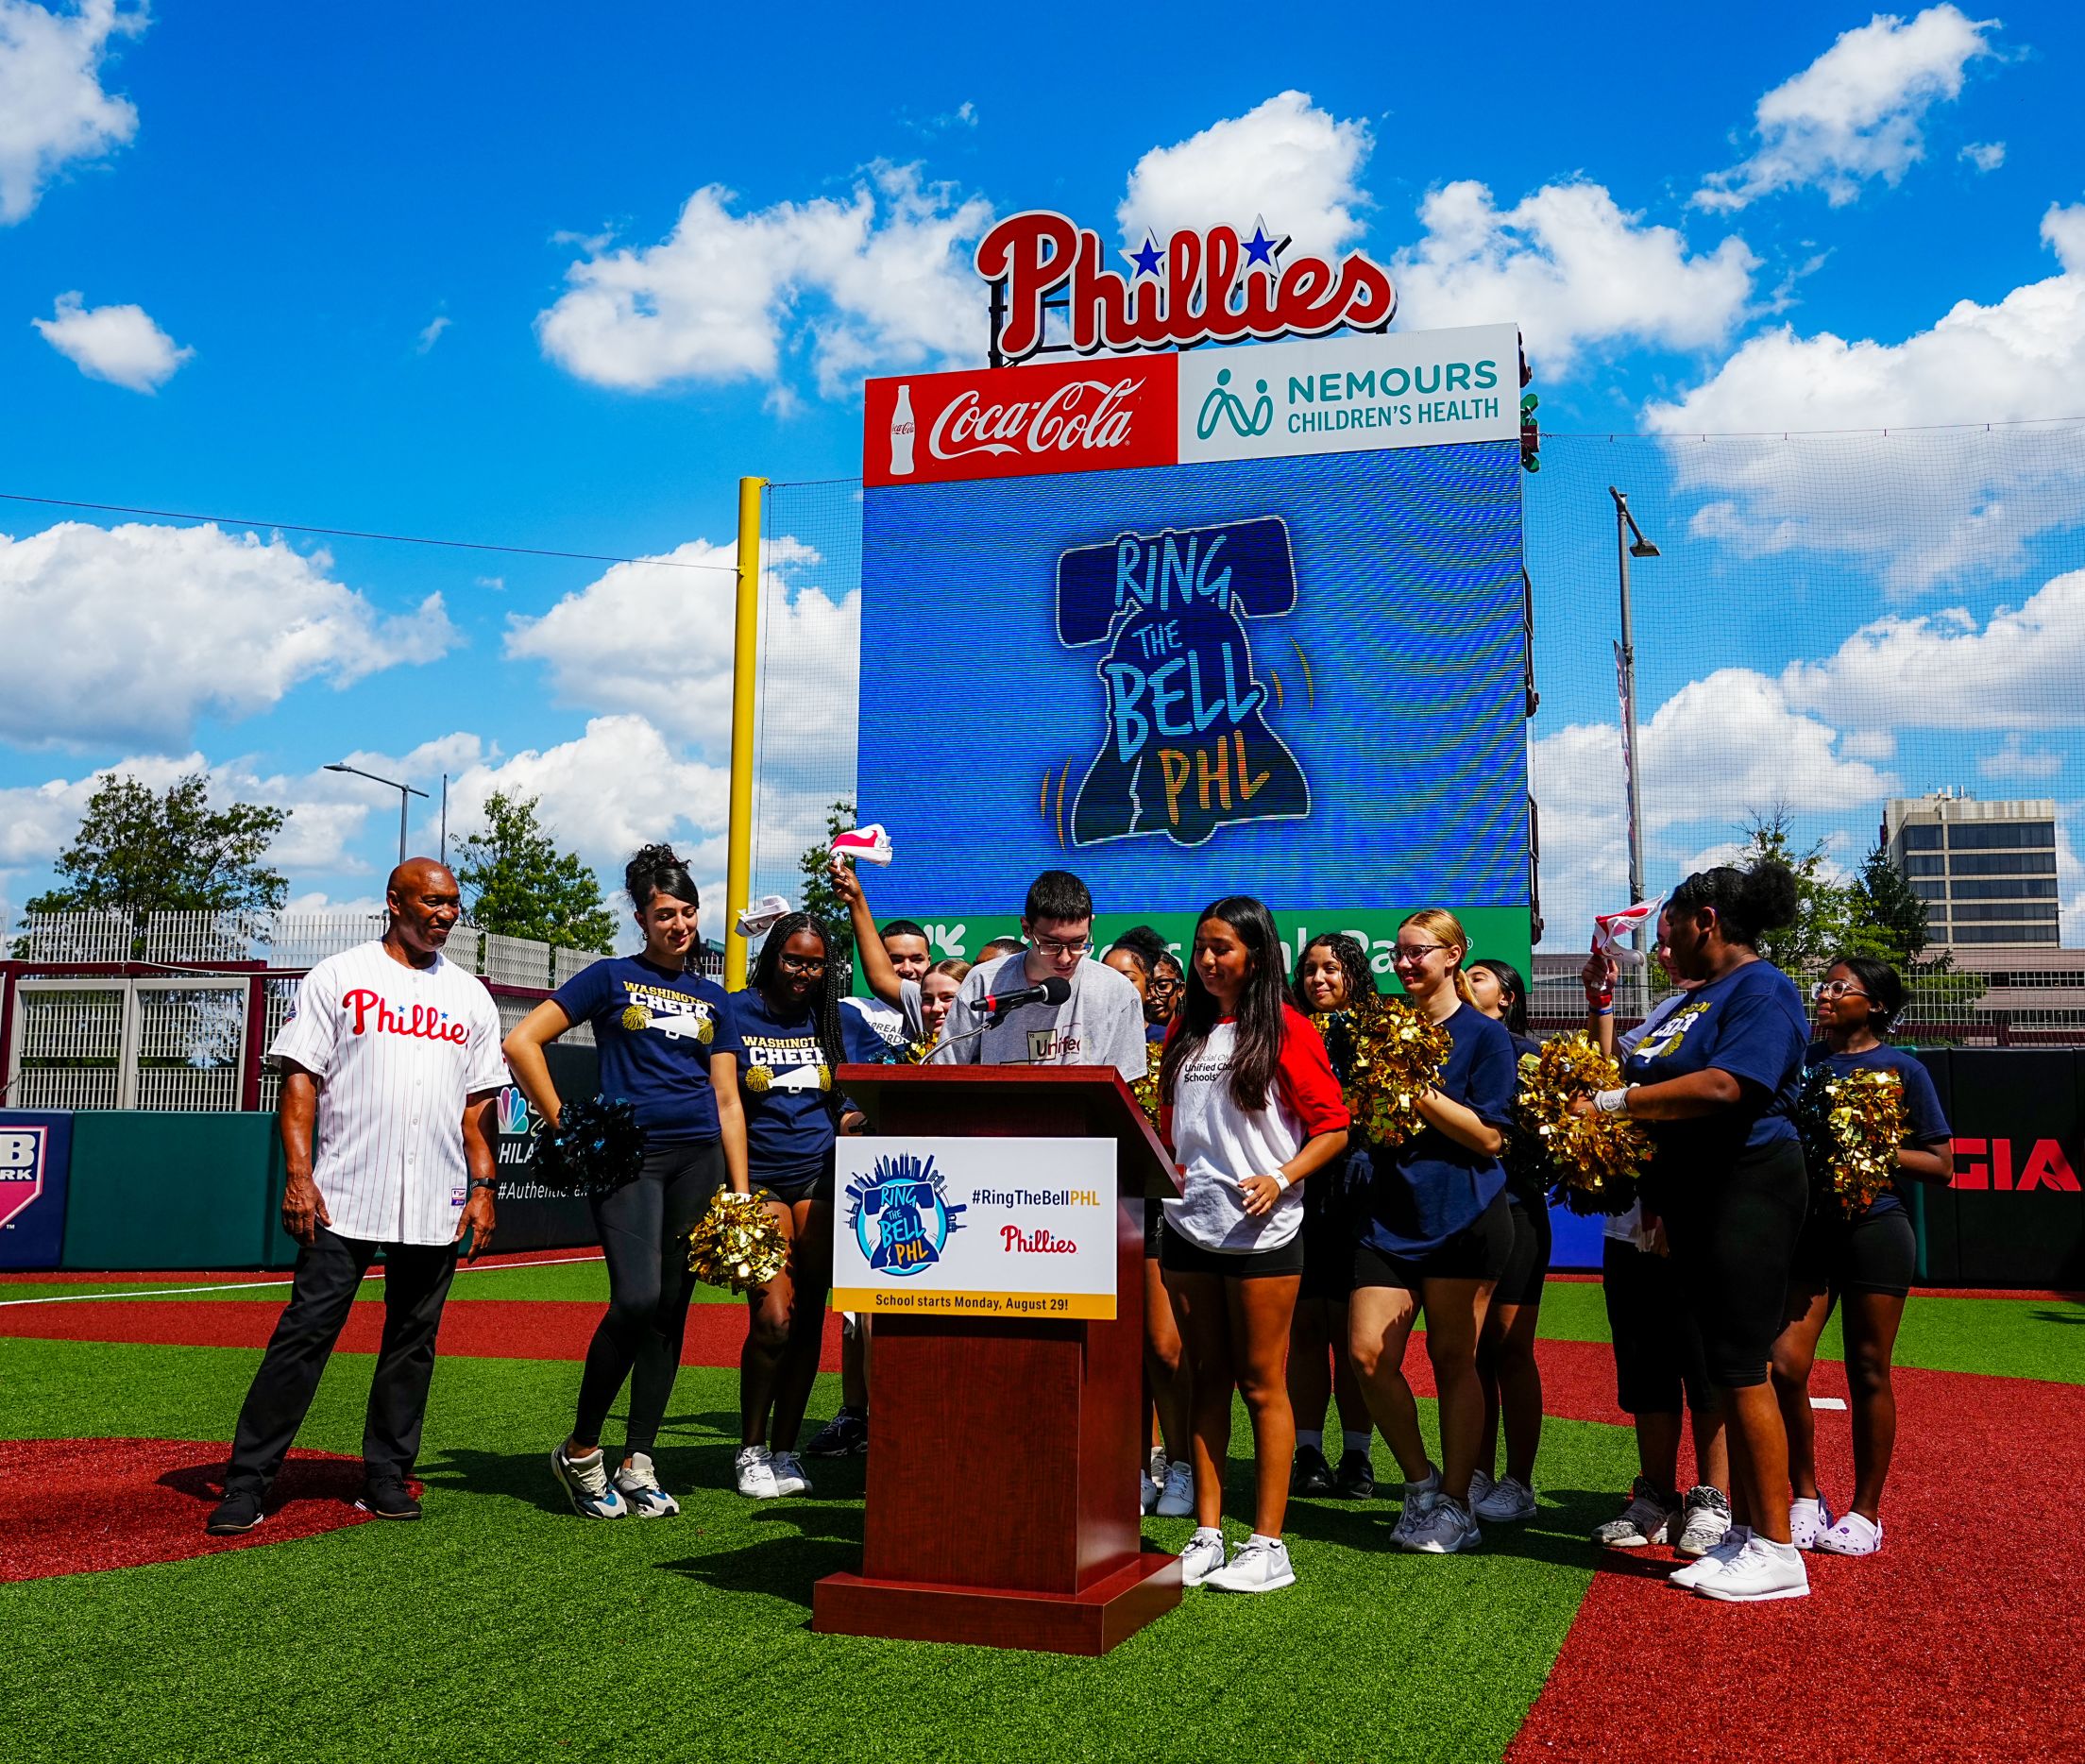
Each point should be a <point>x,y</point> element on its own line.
<point>1827,1402</point>
<point>242,1286</point>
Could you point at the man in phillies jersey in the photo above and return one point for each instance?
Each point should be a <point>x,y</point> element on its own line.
<point>396,1055</point>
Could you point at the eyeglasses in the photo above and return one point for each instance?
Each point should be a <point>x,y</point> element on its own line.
<point>802,964</point>
<point>1058,947</point>
<point>1158,985</point>
<point>1414,952</point>
<point>1836,989</point>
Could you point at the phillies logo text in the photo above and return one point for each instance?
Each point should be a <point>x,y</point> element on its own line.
<point>1198,287</point>
<point>422,1023</point>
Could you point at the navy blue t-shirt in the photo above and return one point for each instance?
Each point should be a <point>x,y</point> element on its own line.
<point>1426,1190</point>
<point>1925,1124</point>
<point>1750,1024</point>
<point>656,1031</point>
<point>789,1130</point>
<point>1526,1181</point>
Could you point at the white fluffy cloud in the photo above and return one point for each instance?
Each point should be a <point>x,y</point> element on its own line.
<point>136,631</point>
<point>52,107</point>
<point>1573,268</point>
<point>880,279</point>
<point>1985,155</point>
<point>1856,112</point>
<point>1297,165</point>
<point>1921,506</point>
<point>119,343</point>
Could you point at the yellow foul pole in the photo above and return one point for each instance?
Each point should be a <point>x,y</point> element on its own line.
<point>745,658</point>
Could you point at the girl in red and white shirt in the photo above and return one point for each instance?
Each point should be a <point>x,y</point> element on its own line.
<point>1250,1108</point>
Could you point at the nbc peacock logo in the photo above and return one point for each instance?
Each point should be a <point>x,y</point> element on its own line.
<point>514,1110</point>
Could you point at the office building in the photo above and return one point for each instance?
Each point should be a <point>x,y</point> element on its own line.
<point>1985,871</point>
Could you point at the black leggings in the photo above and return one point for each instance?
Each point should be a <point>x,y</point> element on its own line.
<point>1733,1232</point>
<point>644,1228</point>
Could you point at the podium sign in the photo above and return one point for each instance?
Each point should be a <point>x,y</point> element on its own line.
<point>962,1226</point>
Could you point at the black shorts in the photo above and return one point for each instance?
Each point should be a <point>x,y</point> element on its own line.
<point>1877,1252</point>
<point>1528,1266</point>
<point>1657,1348</point>
<point>1733,1232</point>
<point>1154,1217</point>
<point>795,1185</point>
<point>1328,1237</point>
<point>1180,1255</point>
<point>1480,1251</point>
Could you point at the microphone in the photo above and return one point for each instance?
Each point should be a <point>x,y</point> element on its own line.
<point>993,1006</point>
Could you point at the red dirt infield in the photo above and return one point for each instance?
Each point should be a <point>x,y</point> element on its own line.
<point>130,1503</point>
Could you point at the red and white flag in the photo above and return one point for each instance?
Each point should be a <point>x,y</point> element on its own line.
<point>1612,930</point>
<point>865,846</point>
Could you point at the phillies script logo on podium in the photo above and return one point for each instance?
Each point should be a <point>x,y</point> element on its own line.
<point>1017,422</point>
<point>1198,287</point>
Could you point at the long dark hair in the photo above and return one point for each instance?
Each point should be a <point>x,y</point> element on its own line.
<point>1515,988</point>
<point>658,870</point>
<point>825,997</point>
<point>1260,1000</point>
<point>1353,962</point>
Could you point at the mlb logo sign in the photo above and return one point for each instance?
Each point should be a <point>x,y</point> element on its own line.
<point>21,1161</point>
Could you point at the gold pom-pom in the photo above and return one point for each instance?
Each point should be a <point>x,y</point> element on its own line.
<point>916,1052</point>
<point>1593,1160</point>
<point>737,1244</point>
<point>1851,1127</point>
<point>1387,1056</point>
<point>758,1079</point>
<point>635,1018</point>
<point>1145,1090</point>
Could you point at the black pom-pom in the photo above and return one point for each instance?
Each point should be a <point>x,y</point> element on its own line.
<point>594,1149</point>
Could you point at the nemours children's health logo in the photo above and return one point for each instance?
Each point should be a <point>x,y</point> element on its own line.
<point>1187,746</point>
<point>906,1198</point>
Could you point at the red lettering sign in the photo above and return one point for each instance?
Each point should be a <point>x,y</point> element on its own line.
<point>1015,422</point>
<point>2046,1166</point>
<point>1214,288</point>
<point>1036,1242</point>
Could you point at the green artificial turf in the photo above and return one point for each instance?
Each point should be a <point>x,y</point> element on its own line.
<point>502,1626</point>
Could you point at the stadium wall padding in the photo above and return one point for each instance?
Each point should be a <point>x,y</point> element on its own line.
<point>173,1190</point>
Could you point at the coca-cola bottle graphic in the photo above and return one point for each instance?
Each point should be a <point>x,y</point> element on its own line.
<point>901,433</point>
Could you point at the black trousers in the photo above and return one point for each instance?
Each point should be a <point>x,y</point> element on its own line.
<point>328,1273</point>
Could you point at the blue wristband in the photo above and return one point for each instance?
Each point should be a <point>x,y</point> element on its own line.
<point>1603,1011</point>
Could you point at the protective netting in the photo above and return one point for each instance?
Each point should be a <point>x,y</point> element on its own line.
<point>1832,622</point>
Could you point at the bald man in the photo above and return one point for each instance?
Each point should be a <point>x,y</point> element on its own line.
<point>395,1054</point>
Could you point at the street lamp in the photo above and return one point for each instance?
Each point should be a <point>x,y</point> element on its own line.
<point>1630,542</point>
<point>406,793</point>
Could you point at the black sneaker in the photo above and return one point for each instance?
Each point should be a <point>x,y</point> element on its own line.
<point>842,1437</point>
<point>1312,1474</point>
<point>1357,1477</point>
<point>389,1498</point>
<point>239,1511</point>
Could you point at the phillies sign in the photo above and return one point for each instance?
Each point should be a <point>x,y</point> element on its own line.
<point>1198,287</point>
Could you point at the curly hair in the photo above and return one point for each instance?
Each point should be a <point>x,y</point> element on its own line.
<point>1353,962</point>
<point>824,997</point>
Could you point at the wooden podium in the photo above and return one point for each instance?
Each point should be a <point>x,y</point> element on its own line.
<point>1001,1477</point>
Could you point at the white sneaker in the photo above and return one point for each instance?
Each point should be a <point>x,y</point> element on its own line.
<point>1443,1528</point>
<point>586,1482</point>
<point>1645,1521</point>
<point>1507,1502</point>
<point>1759,1571</point>
<point>1177,1499</point>
<point>756,1474</point>
<point>1262,1565</point>
<point>1706,1517</point>
<point>1147,1491</point>
<point>639,1487</point>
<point>1480,1486</point>
<point>1855,1534</point>
<point>1688,1577</point>
<point>1808,1520</point>
<point>1202,1557</point>
<point>789,1478</point>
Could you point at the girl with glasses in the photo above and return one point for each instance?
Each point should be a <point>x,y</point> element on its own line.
<point>1249,1105</point>
<point>1863,1263</point>
<point>1436,1235</point>
<point>666,1045</point>
<point>795,1034</point>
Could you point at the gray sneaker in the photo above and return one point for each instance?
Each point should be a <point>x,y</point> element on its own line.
<point>1645,1521</point>
<point>1508,1501</point>
<point>1444,1528</point>
<point>1704,1518</point>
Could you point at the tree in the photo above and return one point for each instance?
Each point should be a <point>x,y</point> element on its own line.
<point>1891,914</point>
<point>141,853</point>
<point>516,883</point>
<point>820,899</point>
<point>1825,922</point>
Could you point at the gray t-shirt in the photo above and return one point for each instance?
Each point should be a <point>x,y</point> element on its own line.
<point>1101,1023</point>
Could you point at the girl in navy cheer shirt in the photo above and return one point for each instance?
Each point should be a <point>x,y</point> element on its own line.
<point>1865,1263</point>
<point>1249,1103</point>
<point>1435,1233</point>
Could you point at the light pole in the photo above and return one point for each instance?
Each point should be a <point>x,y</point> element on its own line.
<point>406,793</point>
<point>1630,542</point>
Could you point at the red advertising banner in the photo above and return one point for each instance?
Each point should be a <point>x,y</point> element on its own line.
<point>1017,422</point>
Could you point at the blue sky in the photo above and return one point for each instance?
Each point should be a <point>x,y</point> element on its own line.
<point>557,279</point>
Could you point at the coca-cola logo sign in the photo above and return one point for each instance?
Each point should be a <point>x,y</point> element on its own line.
<point>1060,416</point>
<point>1211,286</point>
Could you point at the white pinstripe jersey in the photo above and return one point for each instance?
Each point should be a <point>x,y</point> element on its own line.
<point>397,1051</point>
